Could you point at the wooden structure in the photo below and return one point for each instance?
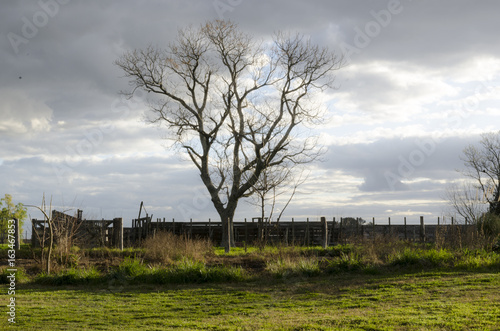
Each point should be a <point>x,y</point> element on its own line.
<point>82,232</point>
<point>322,233</point>
<point>111,233</point>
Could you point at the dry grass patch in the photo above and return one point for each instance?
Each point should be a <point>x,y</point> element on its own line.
<point>167,248</point>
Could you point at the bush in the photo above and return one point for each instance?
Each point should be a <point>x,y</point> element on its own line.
<point>70,276</point>
<point>496,245</point>
<point>110,253</point>
<point>490,224</point>
<point>422,258</point>
<point>189,271</point>
<point>345,263</point>
<point>168,248</point>
<point>184,271</point>
<point>21,276</point>
<point>478,260</point>
<point>286,267</point>
<point>130,269</point>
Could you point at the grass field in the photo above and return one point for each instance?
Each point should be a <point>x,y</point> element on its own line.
<point>417,301</point>
<point>379,285</point>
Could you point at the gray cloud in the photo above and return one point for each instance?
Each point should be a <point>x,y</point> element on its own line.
<point>386,164</point>
<point>61,109</point>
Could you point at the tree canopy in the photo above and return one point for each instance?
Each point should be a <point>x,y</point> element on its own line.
<point>480,191</point>
<point>9,211</point>
<point>483,167</point>
<point>234,105</point>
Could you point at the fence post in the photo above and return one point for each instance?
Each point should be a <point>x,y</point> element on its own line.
<point>324,227</point>
<point>293,232</point>
<point>357,227</point>
<point>246,234</point>
<point>287,230</point>
<point>210,234</point>
<point>390,228</point>
<point>118,233</point>
<point>362,232</point>
<point>308,236</point>
<point>333,231</point>
<point>340,231</point>
<point>190,228</point>
<point>422,229</point>
<point>406,233</point>
<point>278,229</point>
<point>139,231</point>
<point>437,232</point>
<point>373,229</point>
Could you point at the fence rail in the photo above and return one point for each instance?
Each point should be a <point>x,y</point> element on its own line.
<point>295,232</point>
<point>111,233</point>
<point>68,229</point>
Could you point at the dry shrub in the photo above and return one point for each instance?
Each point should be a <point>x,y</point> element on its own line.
<point>460,237</point>
<point>168,248</point>
<point>377,250</point>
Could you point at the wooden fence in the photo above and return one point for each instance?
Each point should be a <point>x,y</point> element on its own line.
<point>73,230</point>
<point>111,233</point>
<point>295,232</point>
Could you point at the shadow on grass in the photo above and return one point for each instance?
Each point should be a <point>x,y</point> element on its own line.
<point>276,266</point>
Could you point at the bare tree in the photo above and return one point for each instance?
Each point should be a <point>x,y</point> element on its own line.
<point>235,106</point>
<point>464,200</point>
<point>483,167</point>
<point>273,183</point>
<point>47,218</point>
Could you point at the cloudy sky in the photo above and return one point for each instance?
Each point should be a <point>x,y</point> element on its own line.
<point>421,83</point>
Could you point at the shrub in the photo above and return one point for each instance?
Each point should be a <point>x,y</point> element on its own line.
<point>129,269</point>
<point>110,253</point>
<point>490,224</point>
<point>70,276</point>
<point>496,245</point>
<point>184,271</point>
<point>168,248</point>
<point>286,267</point>
<point>478,260</point>
<point>21,276</point>
<point>422,257</point>
<point>345,263</point>
<point>189,271</point>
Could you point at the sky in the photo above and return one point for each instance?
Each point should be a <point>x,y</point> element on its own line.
<point>420,83</point>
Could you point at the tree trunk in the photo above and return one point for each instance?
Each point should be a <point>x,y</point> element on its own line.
<point>495,206</point>
<point>226,217</point>
<point>51,243</point>
<point>261,221</point>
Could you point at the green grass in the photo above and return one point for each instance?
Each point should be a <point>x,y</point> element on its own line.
<point>70,276</point>
<point>374,286</point>
<point>418,301</point>
<point>132,271</point>
<point>280,250</point>
<point>286,268</point>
